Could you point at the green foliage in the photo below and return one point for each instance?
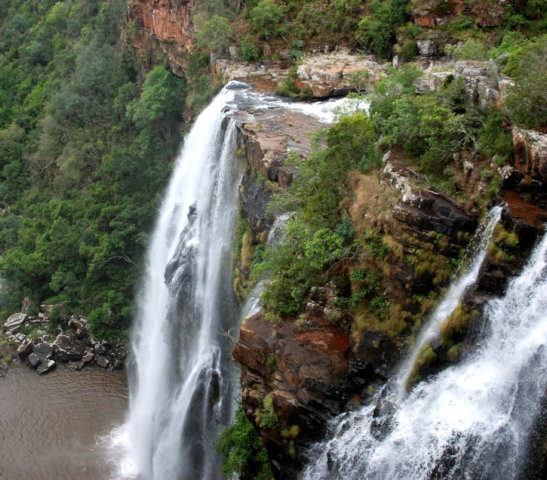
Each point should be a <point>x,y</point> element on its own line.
<point>527,99</point>
<point>247,50</point>
<point>86,143</point>
<point>268,418</point>
<point>266,17</point>
<point>215,34</point>
<point>241,450</point>
<point>320,233</point>
<point>378,30</point>
<point>472,49</point>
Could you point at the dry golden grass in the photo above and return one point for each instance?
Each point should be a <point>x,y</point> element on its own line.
<point>372,204</point>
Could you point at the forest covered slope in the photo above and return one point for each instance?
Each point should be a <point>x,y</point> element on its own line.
<point>94,98</point>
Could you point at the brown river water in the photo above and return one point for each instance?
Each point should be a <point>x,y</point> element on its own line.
<point>57,426</point>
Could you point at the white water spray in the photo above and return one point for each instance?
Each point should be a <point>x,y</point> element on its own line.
<point>183,385</point>
<point>180,394</point>
<point>471,421</point>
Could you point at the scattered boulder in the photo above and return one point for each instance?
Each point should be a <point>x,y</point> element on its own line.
<point>25,349</point>
<point>46,367</point>
<point>102,361</point>
<point>15,321</point>
<point>69,347</point>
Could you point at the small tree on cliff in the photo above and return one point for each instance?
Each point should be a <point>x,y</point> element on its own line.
<point>215,35</point>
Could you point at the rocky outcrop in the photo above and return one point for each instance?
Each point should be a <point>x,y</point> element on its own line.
<point>34,343</point>
<point>432,13</point>
<point>307,368</point>
<point>318,75</point>
<point>163,23</point>
<point>481,80</point>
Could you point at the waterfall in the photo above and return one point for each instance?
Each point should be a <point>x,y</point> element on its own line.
<point>183,386</point>
<point>455,293</point>
<point>182,389</point>
<point>474,420</point>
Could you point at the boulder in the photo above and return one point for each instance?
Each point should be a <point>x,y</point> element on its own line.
<point>46,367</point>
<point>435,212</point>
<point>88,357</point>
<point>68,347</point>
<point>15,321</point>
<point>25,349</point>
<point>102,361</point>
<point>34,360</point>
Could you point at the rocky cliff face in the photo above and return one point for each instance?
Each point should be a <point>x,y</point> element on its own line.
<point>166,24</point>
<point>302,371</point>
<point>431,13</point>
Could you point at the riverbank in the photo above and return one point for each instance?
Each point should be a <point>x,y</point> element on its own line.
<point>46,339</point>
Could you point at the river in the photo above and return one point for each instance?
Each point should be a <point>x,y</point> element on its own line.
<point>56,426</point>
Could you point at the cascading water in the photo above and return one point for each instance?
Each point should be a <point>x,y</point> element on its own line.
<point>454,294</point>
<point>183,384</point>
<point>182,390</point>
<point>471,421</point>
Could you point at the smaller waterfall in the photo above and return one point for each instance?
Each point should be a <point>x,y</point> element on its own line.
<point>455,292</point>
<point>471,421</point>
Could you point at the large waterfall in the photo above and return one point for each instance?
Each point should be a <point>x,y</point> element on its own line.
<point>182,385</point>
<point>474,420</point>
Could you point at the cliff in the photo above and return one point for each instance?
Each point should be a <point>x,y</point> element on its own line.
<point>308,368</point>
<point>163,24</point>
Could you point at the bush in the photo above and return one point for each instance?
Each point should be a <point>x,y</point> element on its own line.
<point>472,49</point>
<point>527,100</point>
<point>266,17</point>
<point>247,50</point>
<point>241,450</point>
<point>215,34</point>
<point>410,50</point>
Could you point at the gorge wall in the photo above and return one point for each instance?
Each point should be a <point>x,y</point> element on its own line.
<point>163,24</point>
<point>303,370</point>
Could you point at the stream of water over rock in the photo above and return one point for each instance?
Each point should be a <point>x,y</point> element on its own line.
<point>184,386</point>
<point>474,420</point>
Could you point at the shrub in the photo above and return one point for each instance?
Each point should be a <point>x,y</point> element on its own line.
<point>410,50</point>
<point>215,34</point>
<point>527,99</point>
<point>266,17</point>
<point>241,450</point>
<point>472,49</point>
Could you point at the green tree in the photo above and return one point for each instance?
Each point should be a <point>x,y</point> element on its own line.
<point>215,35</point>
<point>266,17</point>
<point>527,99</point>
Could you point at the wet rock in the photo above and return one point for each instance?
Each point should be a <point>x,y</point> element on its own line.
<point>68,347</point>
<point>102,361</point>
<point>43,350</point>
<point>15,321</point>
<point>25,348</point>
<point>377,352</point>
<point>46,367</point>
<point>34,360</point>
<point>88,357</point>
<point>76,365</point>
